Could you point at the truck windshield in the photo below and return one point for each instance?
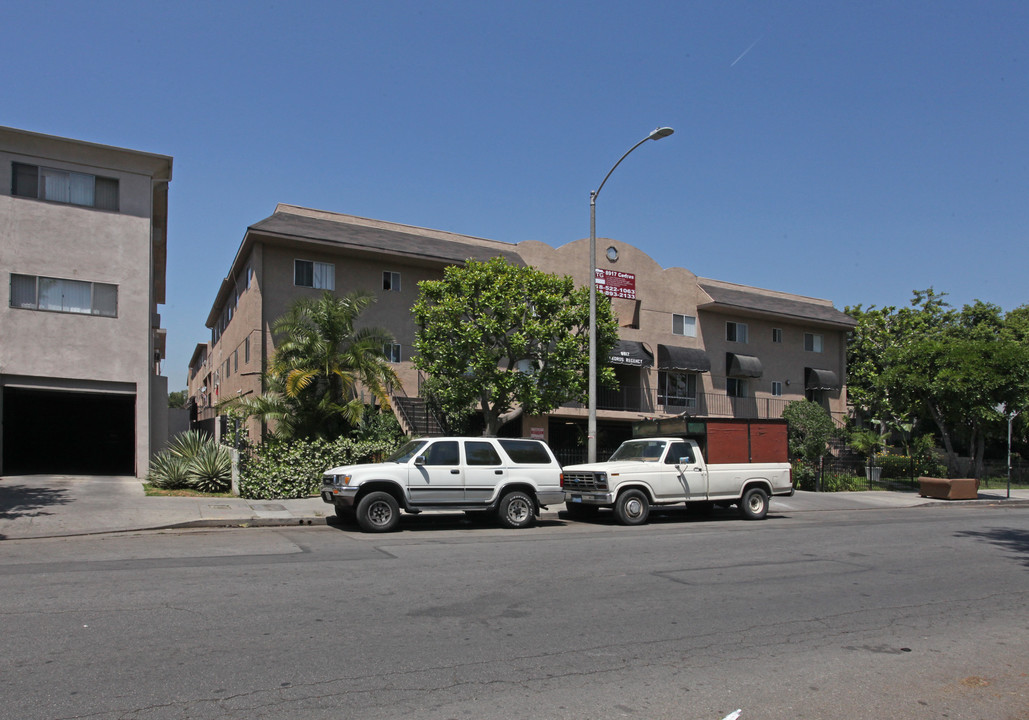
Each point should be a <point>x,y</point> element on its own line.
<point>640,450</point>
<point>406,452</point>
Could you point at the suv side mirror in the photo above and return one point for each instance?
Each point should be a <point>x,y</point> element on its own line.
<point>420,460</point>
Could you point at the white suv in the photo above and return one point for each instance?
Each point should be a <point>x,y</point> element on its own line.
<point>509,477</point>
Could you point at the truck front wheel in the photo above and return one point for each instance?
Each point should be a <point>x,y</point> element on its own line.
<point>754,504</point>
<point>632,508</point>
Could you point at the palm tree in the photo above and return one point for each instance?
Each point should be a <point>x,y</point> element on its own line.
<point>320,365</point>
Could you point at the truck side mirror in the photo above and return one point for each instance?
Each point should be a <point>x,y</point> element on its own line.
<point>420,460</point>
<point>685,461</point>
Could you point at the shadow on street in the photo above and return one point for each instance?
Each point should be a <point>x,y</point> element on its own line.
<point>1014,540</point>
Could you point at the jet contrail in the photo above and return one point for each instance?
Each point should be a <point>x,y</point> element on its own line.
<point>745,52</point>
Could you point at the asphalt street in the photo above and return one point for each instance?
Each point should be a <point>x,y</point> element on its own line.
<point>914,612</point>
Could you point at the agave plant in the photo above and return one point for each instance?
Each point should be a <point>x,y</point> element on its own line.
<point>210,469</point>
<point>188,444</point>
<point>169,471</point>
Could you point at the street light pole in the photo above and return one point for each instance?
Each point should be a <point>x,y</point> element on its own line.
<point>1005,409</point>
<point>591,425</point>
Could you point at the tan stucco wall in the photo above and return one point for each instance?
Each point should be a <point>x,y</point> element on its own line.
<point>65,241</point>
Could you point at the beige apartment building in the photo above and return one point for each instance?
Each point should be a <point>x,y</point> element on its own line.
<point>83,232</point>
<point>689,345</point>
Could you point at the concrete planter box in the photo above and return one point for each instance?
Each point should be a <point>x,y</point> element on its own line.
<point>944,489</point>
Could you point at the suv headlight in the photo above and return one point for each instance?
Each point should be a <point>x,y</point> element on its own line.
<point>337,479</point>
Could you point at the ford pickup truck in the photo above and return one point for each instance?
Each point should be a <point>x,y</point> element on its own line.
<point>509,478</point>
<point>667,470</point>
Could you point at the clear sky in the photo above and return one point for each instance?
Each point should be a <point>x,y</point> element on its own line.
<point>851,151</point>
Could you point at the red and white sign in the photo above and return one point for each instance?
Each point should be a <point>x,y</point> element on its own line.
<point>616,284</point>
<point>536,433</point>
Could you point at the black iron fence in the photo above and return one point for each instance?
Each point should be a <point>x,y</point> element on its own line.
<point>649,400</point>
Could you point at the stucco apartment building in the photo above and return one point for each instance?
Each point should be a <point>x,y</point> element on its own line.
<point>83,232</point>
<point>688,344</point>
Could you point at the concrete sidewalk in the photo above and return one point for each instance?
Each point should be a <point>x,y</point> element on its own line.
<point>38,506</point>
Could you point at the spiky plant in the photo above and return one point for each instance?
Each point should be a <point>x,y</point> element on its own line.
<point>169,471</point>
<point>210,469</point>
<point>188,444</point>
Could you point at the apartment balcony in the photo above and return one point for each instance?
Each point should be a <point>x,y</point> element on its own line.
<point>649,401</point>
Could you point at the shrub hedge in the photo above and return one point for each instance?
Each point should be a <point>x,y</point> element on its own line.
<point>283,469</point>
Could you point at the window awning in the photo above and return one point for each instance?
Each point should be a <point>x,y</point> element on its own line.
<point>737,366</point>
<point>670,357</point>
<point>631,353</point>
<point>815,379</point>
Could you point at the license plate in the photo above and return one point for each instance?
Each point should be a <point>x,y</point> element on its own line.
<point>577,498</point>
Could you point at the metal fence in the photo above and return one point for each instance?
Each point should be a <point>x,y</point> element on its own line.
<point>896,473</point>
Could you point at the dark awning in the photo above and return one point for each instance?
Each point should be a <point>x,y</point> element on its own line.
<point>670,357</point>
<point>737,365</point>
<point>632,353</point>
<point>815,379</point>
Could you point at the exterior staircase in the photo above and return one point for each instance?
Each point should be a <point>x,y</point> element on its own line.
<point>416,417</point>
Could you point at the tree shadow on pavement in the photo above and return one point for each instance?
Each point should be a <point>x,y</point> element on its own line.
<point>1014,540</point>
<point>19,501</point>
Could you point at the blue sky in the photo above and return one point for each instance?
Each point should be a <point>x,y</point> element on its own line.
<point>850,151</point>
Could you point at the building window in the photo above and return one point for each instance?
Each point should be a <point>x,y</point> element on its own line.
<point>677,389</point>
<point>235,360</point>
<point>64,186</point>
<point>777,335</point>
<point>319,275</point>
<point>776,389</point>
<point>684,325</point>
<point>392,352</point>
<point>736,332</point>
<point>71,296</point>
<point>391,281</point>
<point>246,350</point>
<point>736,387</point>
<point>812,342</point>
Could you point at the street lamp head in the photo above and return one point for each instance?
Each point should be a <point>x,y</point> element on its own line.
<point>661,133</point>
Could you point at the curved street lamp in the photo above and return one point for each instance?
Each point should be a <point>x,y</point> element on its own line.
<point>591,426</point>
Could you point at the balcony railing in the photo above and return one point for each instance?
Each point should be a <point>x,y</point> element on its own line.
<point>647,400</point>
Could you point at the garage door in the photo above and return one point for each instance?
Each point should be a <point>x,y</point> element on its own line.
<point>56,432</point>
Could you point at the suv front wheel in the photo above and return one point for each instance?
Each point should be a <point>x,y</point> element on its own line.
<point>378,512</point>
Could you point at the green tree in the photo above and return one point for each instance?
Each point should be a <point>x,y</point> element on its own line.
<point>321,365</point>
<point>810,429</point>
<point>881,397</point>
<point>177,399</point>
<point>507,339</point>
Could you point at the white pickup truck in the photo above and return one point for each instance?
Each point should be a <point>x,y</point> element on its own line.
<point>665,471</point>
<point>510,478</point>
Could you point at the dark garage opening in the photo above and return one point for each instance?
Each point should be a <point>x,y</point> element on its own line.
<point>50,432</point>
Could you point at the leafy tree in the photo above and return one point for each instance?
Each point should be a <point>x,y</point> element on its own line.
<point>177,399</point>
<point>507,339</point>
<point>810,429</point>
<point>949,368</point>
<point>871,350</point>
<point>322,362</point>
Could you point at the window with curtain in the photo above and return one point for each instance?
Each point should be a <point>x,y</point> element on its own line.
<point>314,274</point>
<point>64,186</point>
<point>30,292</point>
